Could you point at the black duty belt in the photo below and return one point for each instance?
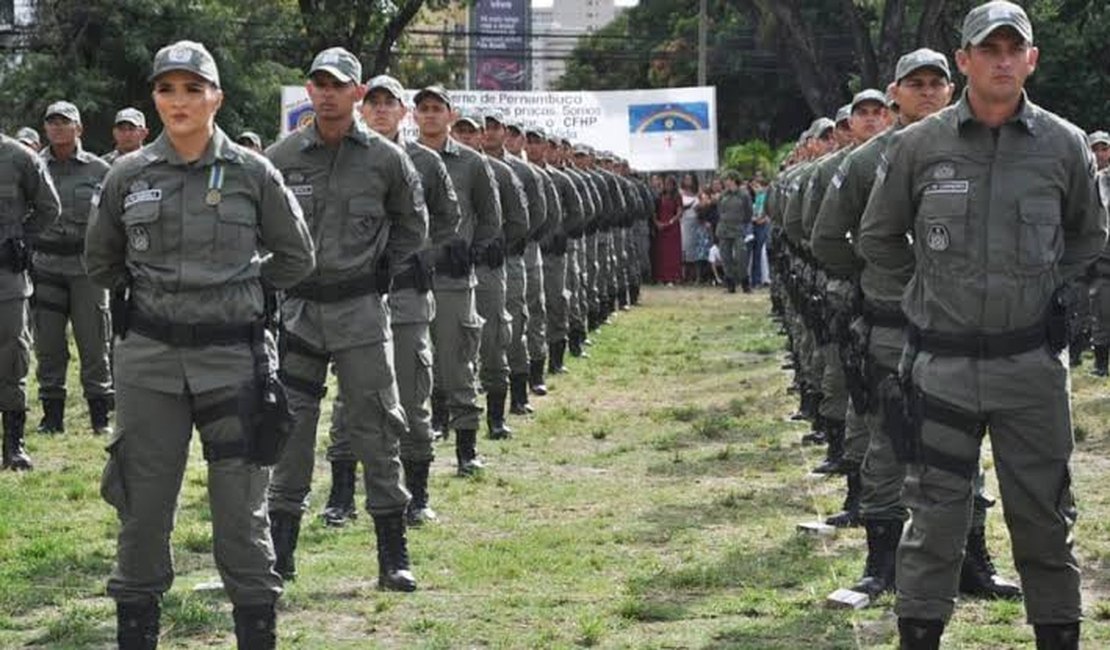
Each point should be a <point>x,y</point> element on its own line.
<point>359,285</point>
<point>980,346</point>
<point>194,335</point>
<point>877,316</point>
<point>66,248</point>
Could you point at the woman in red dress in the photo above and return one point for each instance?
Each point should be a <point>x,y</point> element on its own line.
<point>666,254</point>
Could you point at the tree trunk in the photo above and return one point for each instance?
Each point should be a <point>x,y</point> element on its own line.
<point>861,41</point>
<point>890,41</point>
<point>928,28</point>
<point>393,31</point>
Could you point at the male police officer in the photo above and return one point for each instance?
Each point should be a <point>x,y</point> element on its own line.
<point>63,292</point>
<point>29,138</point>
<point>363,201</point>
<point>1099,141</point>
<point>735,208</point>
<point>31,206</point>
<point>457,328</point>
<point>1001,198</point>
<point>128,132</point>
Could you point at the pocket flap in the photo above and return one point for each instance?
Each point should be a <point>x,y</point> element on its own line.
<point>236,209</point>
<point>1042,211</point>
<point>144,212</point>
<point>365,205</point>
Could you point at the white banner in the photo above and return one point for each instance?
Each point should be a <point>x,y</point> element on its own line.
<point>656,130</point>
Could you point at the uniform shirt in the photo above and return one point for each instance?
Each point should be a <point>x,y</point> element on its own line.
<point>191,262</point>
<point>601,204</point>
<point>514,205</point>
<point>111,157</point>
<point>615,215</point>
<point>585,192</point>
<point>818,185</point>
<point>479,205</point>
<point>573,215</point>
<point>77,180</point>
<point>795,197</point>
<point>554,205</point>
<point>735,210</point>
<point>1000,217</point>
<point>29,204</point>
<point>362,201</point>
<point>840,213</point>
<point>537,202</point>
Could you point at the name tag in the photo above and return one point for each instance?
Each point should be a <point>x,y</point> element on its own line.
<point>146,196</point>
<point>301,190</point>
<point>947,187</point>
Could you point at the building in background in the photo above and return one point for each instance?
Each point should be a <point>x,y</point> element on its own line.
<point>556,27</point>
<point>501,44</point>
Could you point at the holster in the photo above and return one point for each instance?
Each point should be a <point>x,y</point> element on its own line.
<point>455,259</point>
<point>493,255</point>
<point>15,255</point>
<point>119,304</point>
<point>1060,315</point>
<point>264,411</point>
<point>900,418</point>
<point>853,341</point>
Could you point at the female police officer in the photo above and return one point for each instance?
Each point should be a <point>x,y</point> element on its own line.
<point>181,226</point>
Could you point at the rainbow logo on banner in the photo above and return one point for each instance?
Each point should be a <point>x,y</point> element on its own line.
<point>666,118</point>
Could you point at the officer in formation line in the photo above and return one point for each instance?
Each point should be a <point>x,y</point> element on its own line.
<point>946,264</point>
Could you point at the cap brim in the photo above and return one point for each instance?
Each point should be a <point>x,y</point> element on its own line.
<point>386,89</point>
<point>128,120</point>
<point>1105,141</point>
<point>982,34</point>
<point>333,71</point>
<point>61,114</point>
<point>183,68</point>
<point>425,94</point>
<point>944,73</point>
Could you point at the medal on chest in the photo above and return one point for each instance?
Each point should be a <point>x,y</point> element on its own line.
<point>213,196</point>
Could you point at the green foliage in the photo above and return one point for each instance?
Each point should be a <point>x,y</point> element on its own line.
<point>750,157</point>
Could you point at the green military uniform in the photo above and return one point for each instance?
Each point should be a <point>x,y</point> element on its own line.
<point>494,300</point>
<point>1100,290</point>
<point>30,204</point>
<point>1000,219</point>
<point>364,203</point>
<point>65,295</point>
<point>530,318</point>
<point>609,252</point>
<point>577,275</point>
<point>557,266</point>
<point>191,261</point>
<point>735,209</point>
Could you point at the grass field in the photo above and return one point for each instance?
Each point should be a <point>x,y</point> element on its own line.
<point>650,503</point>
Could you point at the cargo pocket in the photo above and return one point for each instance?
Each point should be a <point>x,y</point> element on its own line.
<point>470,339</point>
<point>144,232</point>
<point>504,330</point>
<point>105,324</point>
<point>82,202</point>
<point>365,216</point>
<point>236,228</point>
<point>113,489</point>
<point>1039,233</point>
<point>424,361</point>
<point>944,225</point>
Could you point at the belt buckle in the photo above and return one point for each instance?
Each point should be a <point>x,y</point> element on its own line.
<point>182,335</point>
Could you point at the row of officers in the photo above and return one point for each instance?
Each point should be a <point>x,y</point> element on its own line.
<point>932,263</point>
<point>226,284</point>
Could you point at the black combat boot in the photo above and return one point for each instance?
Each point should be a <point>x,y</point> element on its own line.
<point>622,300</point>
<point>807,404</point>
<point>341,499</point>
<point>574,344</point>
<point>255,627</point>
<point>394,573</point>
<point>99,407</point>
<point>495,415</point>
<point>137,625</point>
<point>1057,636</point>
<point>466,452</point>
<point>919,634</point>
<point>593,319</point>
<point>285,528</point>
<point>15,455</point>
<point>555,361</point>
<point>834,454</point>
<point>416,481</point>
<point>518,395</point>
<point>730,285</point>
<point>634,294</point>
<point>441,416</point>
<point>978,576</point>
<point>745,285</point>
<point>849,515</point>
<point>53,415</point>
<point>1102,361</point>
<point>882,549</point>
<point>816,435</point>
<point>535,376</point>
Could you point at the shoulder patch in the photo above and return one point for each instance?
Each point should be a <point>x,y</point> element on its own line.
<point>144,196</point>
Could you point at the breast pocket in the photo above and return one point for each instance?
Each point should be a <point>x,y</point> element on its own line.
<point>142,222</point>
<point>82,202</point>
<point>365,216</point>
<point>944,229</point>
<point>236,228</point>
<point>1039,234</point>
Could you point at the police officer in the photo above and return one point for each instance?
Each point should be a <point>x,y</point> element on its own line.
<point>32,205</point>
<point>181,228</point>
<point>518,189</point>
<point>578,316</point>
<point>735,208</point>
<point>64,294</point>
<point>540,349</point>
<point>250,140</point>
<point>457,328</point>
<point>1001,198</point>
<point>129,132</point>
<point>1099,142</point>
<point>29,138</point>
<point>922,87</point>
<point>363,201</point>
<point>555,255</point>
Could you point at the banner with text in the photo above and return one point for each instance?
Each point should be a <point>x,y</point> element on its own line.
<point>656,130</point>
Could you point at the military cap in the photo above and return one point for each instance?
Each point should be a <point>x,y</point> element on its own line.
<point>249,137</point>
<point>65,109</point>
<point>131,116</point>
<point>388,84</point>
<point>984,19</point>
<point>563,142</point>
<point>843,113</point>
<point>1098,137</point>
<point>492,114</point>
<point>339,63</point>
<point>28,136</point>
<point>536,131</point>
<point>869,95</point>
<point>582,149</point>
<point>820,125</point>
<point>435,91</point>
<point>471,118</point>
<point>922,58</point>
<point>189,56</point>
<point>515,126</point>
